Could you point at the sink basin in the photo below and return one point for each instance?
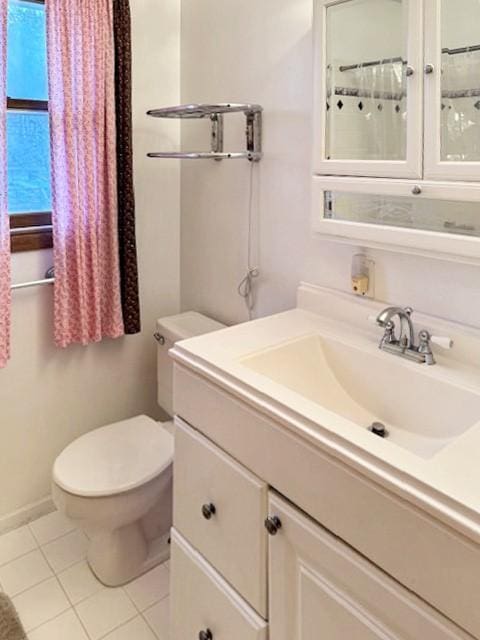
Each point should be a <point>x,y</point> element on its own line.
<point>420,412</point>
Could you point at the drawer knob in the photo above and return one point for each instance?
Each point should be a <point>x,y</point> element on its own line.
<point>273,524</point>
<point>205,635</point>
<point>208,510</point>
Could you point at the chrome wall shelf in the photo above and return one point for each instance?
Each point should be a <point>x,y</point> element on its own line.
<point>207,155</point>
<point>203,110</point>
<point>216,112</point>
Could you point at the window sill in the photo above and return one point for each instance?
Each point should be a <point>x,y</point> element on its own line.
<point>30,232</point>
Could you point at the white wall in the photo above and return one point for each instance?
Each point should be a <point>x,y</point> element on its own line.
<point>49,396</point>
<point>260,50</point>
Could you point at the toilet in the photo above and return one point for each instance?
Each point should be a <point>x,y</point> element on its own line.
<point>115,482</point>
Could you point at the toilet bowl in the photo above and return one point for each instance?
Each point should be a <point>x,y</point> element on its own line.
<point>115,482</point>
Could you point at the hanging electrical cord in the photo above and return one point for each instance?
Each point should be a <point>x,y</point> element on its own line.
<point>246,288</point>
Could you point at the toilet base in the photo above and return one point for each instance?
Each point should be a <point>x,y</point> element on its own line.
<point>120,556</point>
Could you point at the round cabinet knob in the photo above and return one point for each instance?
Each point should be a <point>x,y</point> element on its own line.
<point>205,635</point>
<point>416,190</point>
<point>208,510</point>
<point>429,68</point>
<point>273,525</point>
<point>379,429</point>
<point>410,71</point>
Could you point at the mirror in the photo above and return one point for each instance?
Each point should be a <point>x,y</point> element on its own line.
<point>366,55</point>
<point>460,84</point>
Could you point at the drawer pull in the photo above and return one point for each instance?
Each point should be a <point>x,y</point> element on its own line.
<point>208,510</point>
<point>205,635</point>
<point>273,524</point>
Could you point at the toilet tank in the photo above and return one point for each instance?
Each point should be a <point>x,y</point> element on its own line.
<point>170,330</point>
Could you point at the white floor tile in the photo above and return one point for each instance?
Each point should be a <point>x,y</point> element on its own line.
<point>98,612</point>
<point>66,627</point>
<point>105,611</point>
<point>66,551</point>
<point>149,588</point>
<point>158,617</point>
<point>50,527</point>
<point>15,544</point>
<point>24,572</point>
<point>136,629</point>
<point>79,582</point>
<point>40,604</point>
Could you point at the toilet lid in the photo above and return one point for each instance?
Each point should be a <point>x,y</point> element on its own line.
<point>114,459</point>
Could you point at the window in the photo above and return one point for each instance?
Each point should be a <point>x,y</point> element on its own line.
<point>28,144</point>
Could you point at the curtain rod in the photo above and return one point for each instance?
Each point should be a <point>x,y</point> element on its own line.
<point>376,63</point>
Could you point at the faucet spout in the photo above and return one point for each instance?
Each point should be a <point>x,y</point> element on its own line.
<point>407,334</point>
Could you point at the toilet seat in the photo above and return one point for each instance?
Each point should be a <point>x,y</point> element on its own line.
<point>115,459</point>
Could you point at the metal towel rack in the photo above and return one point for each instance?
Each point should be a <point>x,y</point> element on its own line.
<point>215,112</point>
<point>49,279</point>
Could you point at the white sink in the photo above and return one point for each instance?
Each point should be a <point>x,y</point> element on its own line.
<point>421,412</point>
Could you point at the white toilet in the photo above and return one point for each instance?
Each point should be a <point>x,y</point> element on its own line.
<point>116,481</point>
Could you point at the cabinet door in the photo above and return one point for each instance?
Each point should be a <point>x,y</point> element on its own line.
<point>321,588</point>
<point>452,90</point>
<point>368,88</point>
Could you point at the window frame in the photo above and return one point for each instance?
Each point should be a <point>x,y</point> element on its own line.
<point>31,230</point>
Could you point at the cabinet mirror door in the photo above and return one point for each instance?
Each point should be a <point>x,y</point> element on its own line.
<point>452,85</point>
<point>368,107</point>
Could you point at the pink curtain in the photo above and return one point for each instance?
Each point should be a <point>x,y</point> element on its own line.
<point>5,296</point>
<point>84,187</point>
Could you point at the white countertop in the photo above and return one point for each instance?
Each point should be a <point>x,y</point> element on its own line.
<point>446,485</point>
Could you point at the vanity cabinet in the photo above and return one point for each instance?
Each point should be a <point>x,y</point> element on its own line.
<point>317,585</point>
<point>397,124</point>
<point>371,561</point>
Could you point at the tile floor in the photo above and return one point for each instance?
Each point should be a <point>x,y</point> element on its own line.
<point>43,570</point>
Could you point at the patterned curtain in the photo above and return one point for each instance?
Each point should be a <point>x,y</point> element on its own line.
<point>126,197</point>
<point>5,293</point>
<point>87,299</point>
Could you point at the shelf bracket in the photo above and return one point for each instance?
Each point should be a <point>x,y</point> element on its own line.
<point>217,134</point>
<point>254,132</point>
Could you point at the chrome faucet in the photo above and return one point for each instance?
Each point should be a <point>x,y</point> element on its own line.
<point>407,335</point>
<point>404,345</point>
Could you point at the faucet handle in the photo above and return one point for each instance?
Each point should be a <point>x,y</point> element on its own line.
<point>426,340</point>
<point>442,341</point>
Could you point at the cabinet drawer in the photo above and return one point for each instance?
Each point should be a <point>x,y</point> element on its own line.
<point>320,587</point>
<point>220,508</point>
<point>203,601</point>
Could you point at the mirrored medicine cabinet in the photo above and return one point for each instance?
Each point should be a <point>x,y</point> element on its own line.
<point>397,123</point>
